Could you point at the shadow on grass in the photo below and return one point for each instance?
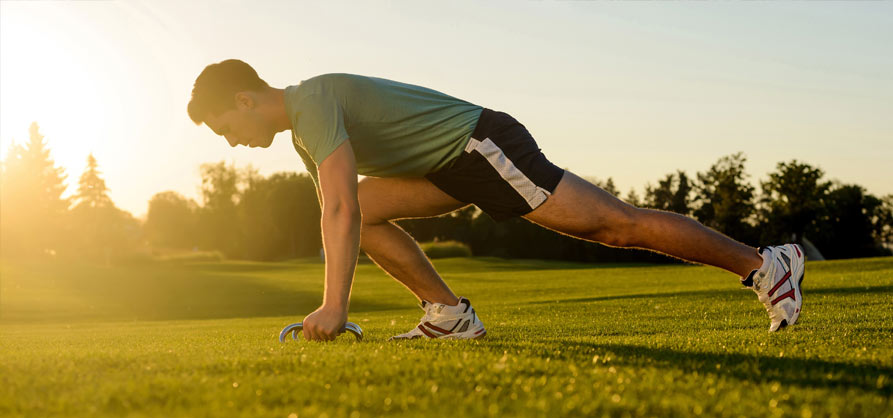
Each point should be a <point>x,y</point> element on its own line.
<point>220,296</point>
<point>496,264</point>
<point>232,267</point>
<point>721,294</point>
<point>168,293</point>
<point>749,367</point>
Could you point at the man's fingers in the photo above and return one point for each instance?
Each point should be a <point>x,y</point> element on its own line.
<point>314,332</point>
<point>311,333</point>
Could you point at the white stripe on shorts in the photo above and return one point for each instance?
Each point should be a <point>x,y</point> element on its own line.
<point>533,194</point>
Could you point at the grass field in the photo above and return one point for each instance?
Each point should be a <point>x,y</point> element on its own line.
<point>563,340</point>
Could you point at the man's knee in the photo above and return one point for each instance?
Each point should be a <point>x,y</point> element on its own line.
<point>621,230</point>
<point>372,210</point>
<point>372,217</point>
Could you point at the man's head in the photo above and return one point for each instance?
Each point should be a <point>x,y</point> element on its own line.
<point>235,103</point>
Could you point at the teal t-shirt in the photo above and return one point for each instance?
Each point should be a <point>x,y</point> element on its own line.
<point>395,129</point>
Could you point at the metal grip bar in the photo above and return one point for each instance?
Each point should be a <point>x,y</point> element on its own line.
<point>298,327</point>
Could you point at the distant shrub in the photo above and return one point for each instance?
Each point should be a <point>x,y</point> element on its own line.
<point>444,249</point>
<point>191,257</point>
<point>133,258</point>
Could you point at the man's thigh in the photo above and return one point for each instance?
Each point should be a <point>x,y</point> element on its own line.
<point>583,210</point>
<point>387,198</point>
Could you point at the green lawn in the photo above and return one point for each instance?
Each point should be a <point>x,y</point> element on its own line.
<point>563,340</point>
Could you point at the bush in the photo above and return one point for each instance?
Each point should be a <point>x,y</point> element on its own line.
<point>190,256</point>
<point>444,249</point>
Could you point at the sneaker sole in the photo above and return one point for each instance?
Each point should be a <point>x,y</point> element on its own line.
<point>468,335</point>
<point>798,289</point>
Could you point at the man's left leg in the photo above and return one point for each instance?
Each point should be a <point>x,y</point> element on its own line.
<point>383,200</point>
<point>583,210</point>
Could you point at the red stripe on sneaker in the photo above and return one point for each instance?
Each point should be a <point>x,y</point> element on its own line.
<point>436,328</point>
<point>479,331</point>
<point>780,282</point>
<point>428,333</point>
<point>785,295</point>
<point>797,248</point>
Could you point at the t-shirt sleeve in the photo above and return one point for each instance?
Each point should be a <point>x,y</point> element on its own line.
<point>320,126</point>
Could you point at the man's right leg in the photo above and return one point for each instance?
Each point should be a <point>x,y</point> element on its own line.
<point>383,200</point>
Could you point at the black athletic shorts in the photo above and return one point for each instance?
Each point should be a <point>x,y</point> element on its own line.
<point>502,171</point>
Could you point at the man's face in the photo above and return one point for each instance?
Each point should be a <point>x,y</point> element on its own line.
<point>243,125</point>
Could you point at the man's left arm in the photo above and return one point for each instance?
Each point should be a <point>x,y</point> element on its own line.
<point>341,221</point>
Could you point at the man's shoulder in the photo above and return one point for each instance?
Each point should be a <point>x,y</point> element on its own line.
<point>322,86</point>
<point>323,81</point>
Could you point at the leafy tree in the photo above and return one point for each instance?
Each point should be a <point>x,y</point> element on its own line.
<point>220,185</point>
<point>217,226</point>
<point>249,216</point>
<point>883,220</point>
<point>725,199</point>
<point>672,193</point>
<point>171,221</point>
<point>33,207</point>
<point>853,224</point>
<point>296,211</point>
<point>793,202</point>
<point>279,216</point>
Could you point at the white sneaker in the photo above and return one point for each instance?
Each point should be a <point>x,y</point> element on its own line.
<point>777,283</point>
<point>447,322</point>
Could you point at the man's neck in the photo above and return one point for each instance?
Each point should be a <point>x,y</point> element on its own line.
<point>280,117</point>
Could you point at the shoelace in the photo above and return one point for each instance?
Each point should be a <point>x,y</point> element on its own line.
<point>427,310</point>
<point>431,315</point>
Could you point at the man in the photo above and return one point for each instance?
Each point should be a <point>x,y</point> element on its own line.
<point>425,154</point>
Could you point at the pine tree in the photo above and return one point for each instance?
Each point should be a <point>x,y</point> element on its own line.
<point>610,187</point>
<point>49,180</point>
<point>33,207</point>
<point>101,231</point>
<point>633,198</point>
<point>92,191</point>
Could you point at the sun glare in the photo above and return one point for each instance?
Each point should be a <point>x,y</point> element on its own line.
<point>47,78</point>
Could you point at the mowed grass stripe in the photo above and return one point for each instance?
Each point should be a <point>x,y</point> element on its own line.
<point>564,339</point>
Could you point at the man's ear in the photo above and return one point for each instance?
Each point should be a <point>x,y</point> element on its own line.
<point>245,100</point>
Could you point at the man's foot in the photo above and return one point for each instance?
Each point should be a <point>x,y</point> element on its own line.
<point>444,321</point>
<point>777,283</point>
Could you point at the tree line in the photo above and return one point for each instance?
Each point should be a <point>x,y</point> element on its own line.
<point>244,215</point>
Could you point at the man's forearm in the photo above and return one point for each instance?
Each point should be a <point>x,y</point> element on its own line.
<point>341,241</point>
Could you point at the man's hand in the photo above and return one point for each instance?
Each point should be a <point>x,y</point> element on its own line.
<point>324,324</point>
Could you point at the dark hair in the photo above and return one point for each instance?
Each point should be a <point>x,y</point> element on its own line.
<point>217,84</point>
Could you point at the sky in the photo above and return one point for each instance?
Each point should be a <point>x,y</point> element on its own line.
<point>627,90</point>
